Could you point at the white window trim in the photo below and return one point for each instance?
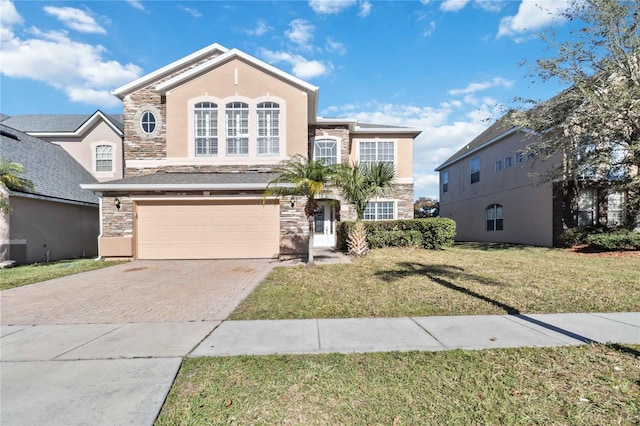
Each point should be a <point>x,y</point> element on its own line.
<point>385,200</point>
<point>222,158</point>
<point>338,141</point>
<point>114,155</point>
<point>376,139</point>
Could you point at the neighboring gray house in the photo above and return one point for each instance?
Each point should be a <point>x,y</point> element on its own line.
<point>57,219</point>
<point>93,140</point>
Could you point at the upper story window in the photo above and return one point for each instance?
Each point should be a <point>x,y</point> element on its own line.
<point>104,158</point>
<point>519,157</point>
<point>268,128</point>
<point>148,122</point>
<point>493,214</point>
<point>474,167</point>
<point>375,151</point>
<point>326,150</point>
<point>237,118</point>
<point>507,162</point>
<point>617,156</point>
<point>445,181</point>
<point>206,129</point>
<point>498,165</point>
<point>379,210</point>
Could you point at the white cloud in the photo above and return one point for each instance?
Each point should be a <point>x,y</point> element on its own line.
<point>301,33</point>
<point>365,9</point>
<point>335,46</point>
<point>75,19</point>
<point>79,69</point>
<point>193,11</point>
<point>453,5</point>
<point>532,15</point>
<point>136,4</point>
<point>429,29</point>
<point>261,29</point>
<point>490,5</point>
<point>446,128</point>
<point>8,14</point>
<point>330,6</point>
<point>301,67</point>
<point>476,87</point>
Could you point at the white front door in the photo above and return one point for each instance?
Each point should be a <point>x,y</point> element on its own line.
<point>325,225</point>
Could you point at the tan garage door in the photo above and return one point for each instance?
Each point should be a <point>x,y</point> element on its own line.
<point>207,229</point>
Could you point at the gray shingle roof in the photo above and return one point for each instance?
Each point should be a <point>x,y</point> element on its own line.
<point>498,128</point>
<point>54,123</point>
<point>52,170</point>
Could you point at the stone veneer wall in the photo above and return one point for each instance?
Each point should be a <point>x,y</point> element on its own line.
<point>132,172</point>
<point>294,227</point>
<point>334,131</point>
<point>117,222</point>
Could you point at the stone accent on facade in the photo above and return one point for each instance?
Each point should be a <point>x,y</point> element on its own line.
<point>341,132</point>
<point>403,192</point>
<point>117,222</point>
<point>133,172</point>
<point>294,227</point>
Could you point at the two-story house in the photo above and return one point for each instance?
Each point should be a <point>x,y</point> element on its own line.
<point>201,138</point>
<point>496,191</point>
<point>93,140</point>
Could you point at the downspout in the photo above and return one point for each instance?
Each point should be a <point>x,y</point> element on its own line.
<point>100,234</point>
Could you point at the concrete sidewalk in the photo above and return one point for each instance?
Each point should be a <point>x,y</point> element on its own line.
<point>316,336</point>
<point>113,374</point>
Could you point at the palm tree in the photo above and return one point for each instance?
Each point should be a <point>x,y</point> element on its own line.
<point>9,178</point>
<point>358,184</point>
<point>300,176</point>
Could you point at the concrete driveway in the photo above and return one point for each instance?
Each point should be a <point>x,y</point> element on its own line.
<point>140,291</point>
<point>103,347</point>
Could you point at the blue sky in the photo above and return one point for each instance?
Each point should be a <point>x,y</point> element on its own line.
<point>448,67</point>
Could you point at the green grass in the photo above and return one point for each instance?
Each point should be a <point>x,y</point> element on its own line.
<point>29,274</point>
<point>469,279</point>
<point>586,385</point>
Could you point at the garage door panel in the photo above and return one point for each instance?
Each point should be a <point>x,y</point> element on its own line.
<point>207,230</point>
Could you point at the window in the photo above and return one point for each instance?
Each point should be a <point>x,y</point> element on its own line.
<point>268,128</point>
<point>445,181</point>
<point>498,165</point>
<point>206,129</point>
<point>615,208</point>
<point>494,217</point>
<point>519,157</point>
<point>148,122</point>
<point>585,159</point>
<point>586,207</point>
<point>507,162</point>
<point>237,115</point>
<point>382,152</point>
<point>617,157</point>
<point>326,150</point>
<point>104,158</point>
<point>474,167</point>
<point>379,211</point>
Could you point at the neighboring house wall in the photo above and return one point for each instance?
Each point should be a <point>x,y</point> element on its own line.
<point>43,230</point>
<point>83,150</point>
<point>514,184</point>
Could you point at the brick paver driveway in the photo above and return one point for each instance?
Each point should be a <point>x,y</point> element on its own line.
<point>140,291</point>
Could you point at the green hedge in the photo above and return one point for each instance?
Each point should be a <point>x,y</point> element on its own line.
<point>618,240</point>
<point>430,233</point>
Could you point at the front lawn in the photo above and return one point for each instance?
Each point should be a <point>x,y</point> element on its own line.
<point>37,272</point>
<point>467,279</point>
<point>586,385</point>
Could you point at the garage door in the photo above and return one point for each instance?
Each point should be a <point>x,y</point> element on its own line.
<point>207,229</point>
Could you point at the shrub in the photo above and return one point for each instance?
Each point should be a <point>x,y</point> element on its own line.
<point>431,233</point>
<point>578,235</point>
<point>617,240</point>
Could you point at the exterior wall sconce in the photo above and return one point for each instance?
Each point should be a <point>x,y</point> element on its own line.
<point>292,202</point>
<point>116,203</point>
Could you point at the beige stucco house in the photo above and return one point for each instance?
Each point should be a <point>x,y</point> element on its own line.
<point>93,140</point>
<point>202,136</point>
<point>54,220</point>
<point>495,190</point>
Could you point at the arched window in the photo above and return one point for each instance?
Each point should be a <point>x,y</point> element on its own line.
<point>206,129</point>
<point>148,122</point>
<point>494,217</point>
<point>104,158</point>
<point>237,116</point>
<point>268,128</point>
<point>326,150</point>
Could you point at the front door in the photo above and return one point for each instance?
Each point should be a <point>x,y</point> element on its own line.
<point>325,233</point>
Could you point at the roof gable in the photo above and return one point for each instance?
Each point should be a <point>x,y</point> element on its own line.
<point>167,70</point>
<point>55,125</point>
<point>53,171</point>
